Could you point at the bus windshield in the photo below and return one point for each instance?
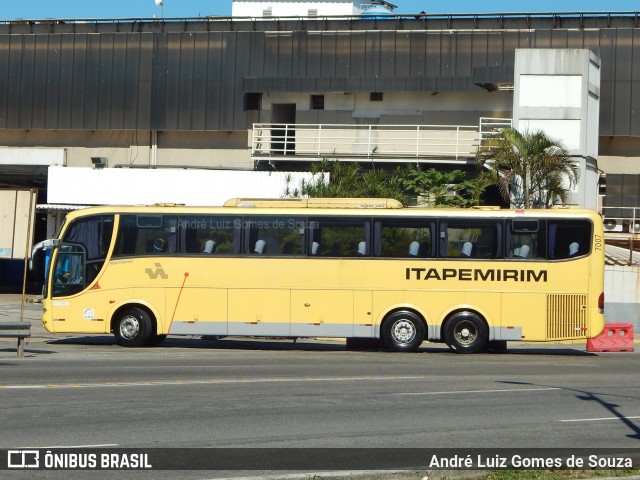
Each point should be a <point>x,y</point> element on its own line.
<point>81,254</point>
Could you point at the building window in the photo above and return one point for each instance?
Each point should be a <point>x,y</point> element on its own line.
<point>312,12</point>
<point>267,12</point>
<point>317,102</point>
<point>375,96</point>
<point>252,101</point>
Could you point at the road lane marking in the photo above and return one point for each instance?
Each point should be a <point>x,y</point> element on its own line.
<point>601,419</point>
<point>221,381</point>
<point>449,392</point>
<point>208,381</point>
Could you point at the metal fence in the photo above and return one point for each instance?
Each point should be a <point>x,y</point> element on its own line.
<point>367,142</point>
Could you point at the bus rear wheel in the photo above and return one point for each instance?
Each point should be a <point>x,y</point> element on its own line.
<point>403,331</point>
<point>465,332</point>
<point>133,328</point>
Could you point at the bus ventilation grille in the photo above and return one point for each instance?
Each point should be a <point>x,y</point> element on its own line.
<point>566,317</point>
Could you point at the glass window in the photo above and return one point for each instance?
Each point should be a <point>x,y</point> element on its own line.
<point>569,238</point>
<point>147,235</point>
<point>69,270</point>
<point>274,235</point>
<point>210,235</point>
<point>404,238</point>
<point>93,234</point>
<point>82,254</point>
<point>469,239</point>
<point>525,239</point>
<point>340,237</point>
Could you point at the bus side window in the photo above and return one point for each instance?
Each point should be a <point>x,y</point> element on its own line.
<point>147,235</point>
<point>469,238</point>
<point>569,238</point>
<point>406,238</point>
<point>274,236</point>
<point>207,234</point>
<point>525,239</point>
<point>341,237</point>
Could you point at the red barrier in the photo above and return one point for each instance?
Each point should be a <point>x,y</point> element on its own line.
<point>616,337</point>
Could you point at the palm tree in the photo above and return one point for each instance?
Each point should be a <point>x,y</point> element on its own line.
<point>531,170</point>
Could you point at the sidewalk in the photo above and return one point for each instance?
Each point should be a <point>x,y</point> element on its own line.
<point>11,311</point>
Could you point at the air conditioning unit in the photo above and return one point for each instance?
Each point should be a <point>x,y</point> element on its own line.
<point>613,225</point>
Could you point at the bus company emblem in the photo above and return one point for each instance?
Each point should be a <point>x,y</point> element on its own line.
<point>158,272</point>
<point>476,274</point>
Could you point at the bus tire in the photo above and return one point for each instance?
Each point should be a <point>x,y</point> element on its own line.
<point>403,331</point>
<point>465,332</point>
<point>133,328</point>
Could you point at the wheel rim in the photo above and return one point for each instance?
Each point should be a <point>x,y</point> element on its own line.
<point>129,327</point>
<point>403,331</point>
<point>465,332</point>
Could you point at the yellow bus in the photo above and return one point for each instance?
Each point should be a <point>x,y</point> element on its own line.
<point>343,268</point>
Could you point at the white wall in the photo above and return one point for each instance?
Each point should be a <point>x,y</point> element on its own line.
<point>359,105</point>
<point>622,295</point>
<point>32,156</point>
<point>131,186</point>
<point>557,91</point>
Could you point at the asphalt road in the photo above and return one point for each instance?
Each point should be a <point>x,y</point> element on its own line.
<point>84,391</point>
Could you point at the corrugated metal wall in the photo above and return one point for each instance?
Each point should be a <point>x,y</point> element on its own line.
<point>164,77</point>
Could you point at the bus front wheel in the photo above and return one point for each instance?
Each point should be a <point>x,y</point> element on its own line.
<point>403,331</point>
<point>133,328</point>
<point>465,332</point>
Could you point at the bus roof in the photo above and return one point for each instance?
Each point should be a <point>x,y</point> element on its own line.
<point>333,207</point>
<point>313,203</point>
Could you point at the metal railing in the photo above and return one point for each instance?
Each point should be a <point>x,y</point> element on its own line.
<point>368,142</point>
<point>621,224</point>
<point>621,219</point>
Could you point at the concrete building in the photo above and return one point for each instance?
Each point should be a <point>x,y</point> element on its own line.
<point>109,97</point>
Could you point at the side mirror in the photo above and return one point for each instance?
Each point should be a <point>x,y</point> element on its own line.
<point>43,245</point>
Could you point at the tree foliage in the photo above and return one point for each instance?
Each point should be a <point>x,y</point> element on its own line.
<point>333,179</point>
<point>407,184</point>
<point>441,188</point>
<point>531,170</point>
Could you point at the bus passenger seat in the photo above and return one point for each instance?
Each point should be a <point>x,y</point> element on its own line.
<point>362,249</point>
<point>574,249</point>
<point>524,251</point>
<point>315,246</point>
<point>259,248</point>
<point>414,248</point>
<point>467,249</point>
<point>209,246</point>
<point>159,245</point>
